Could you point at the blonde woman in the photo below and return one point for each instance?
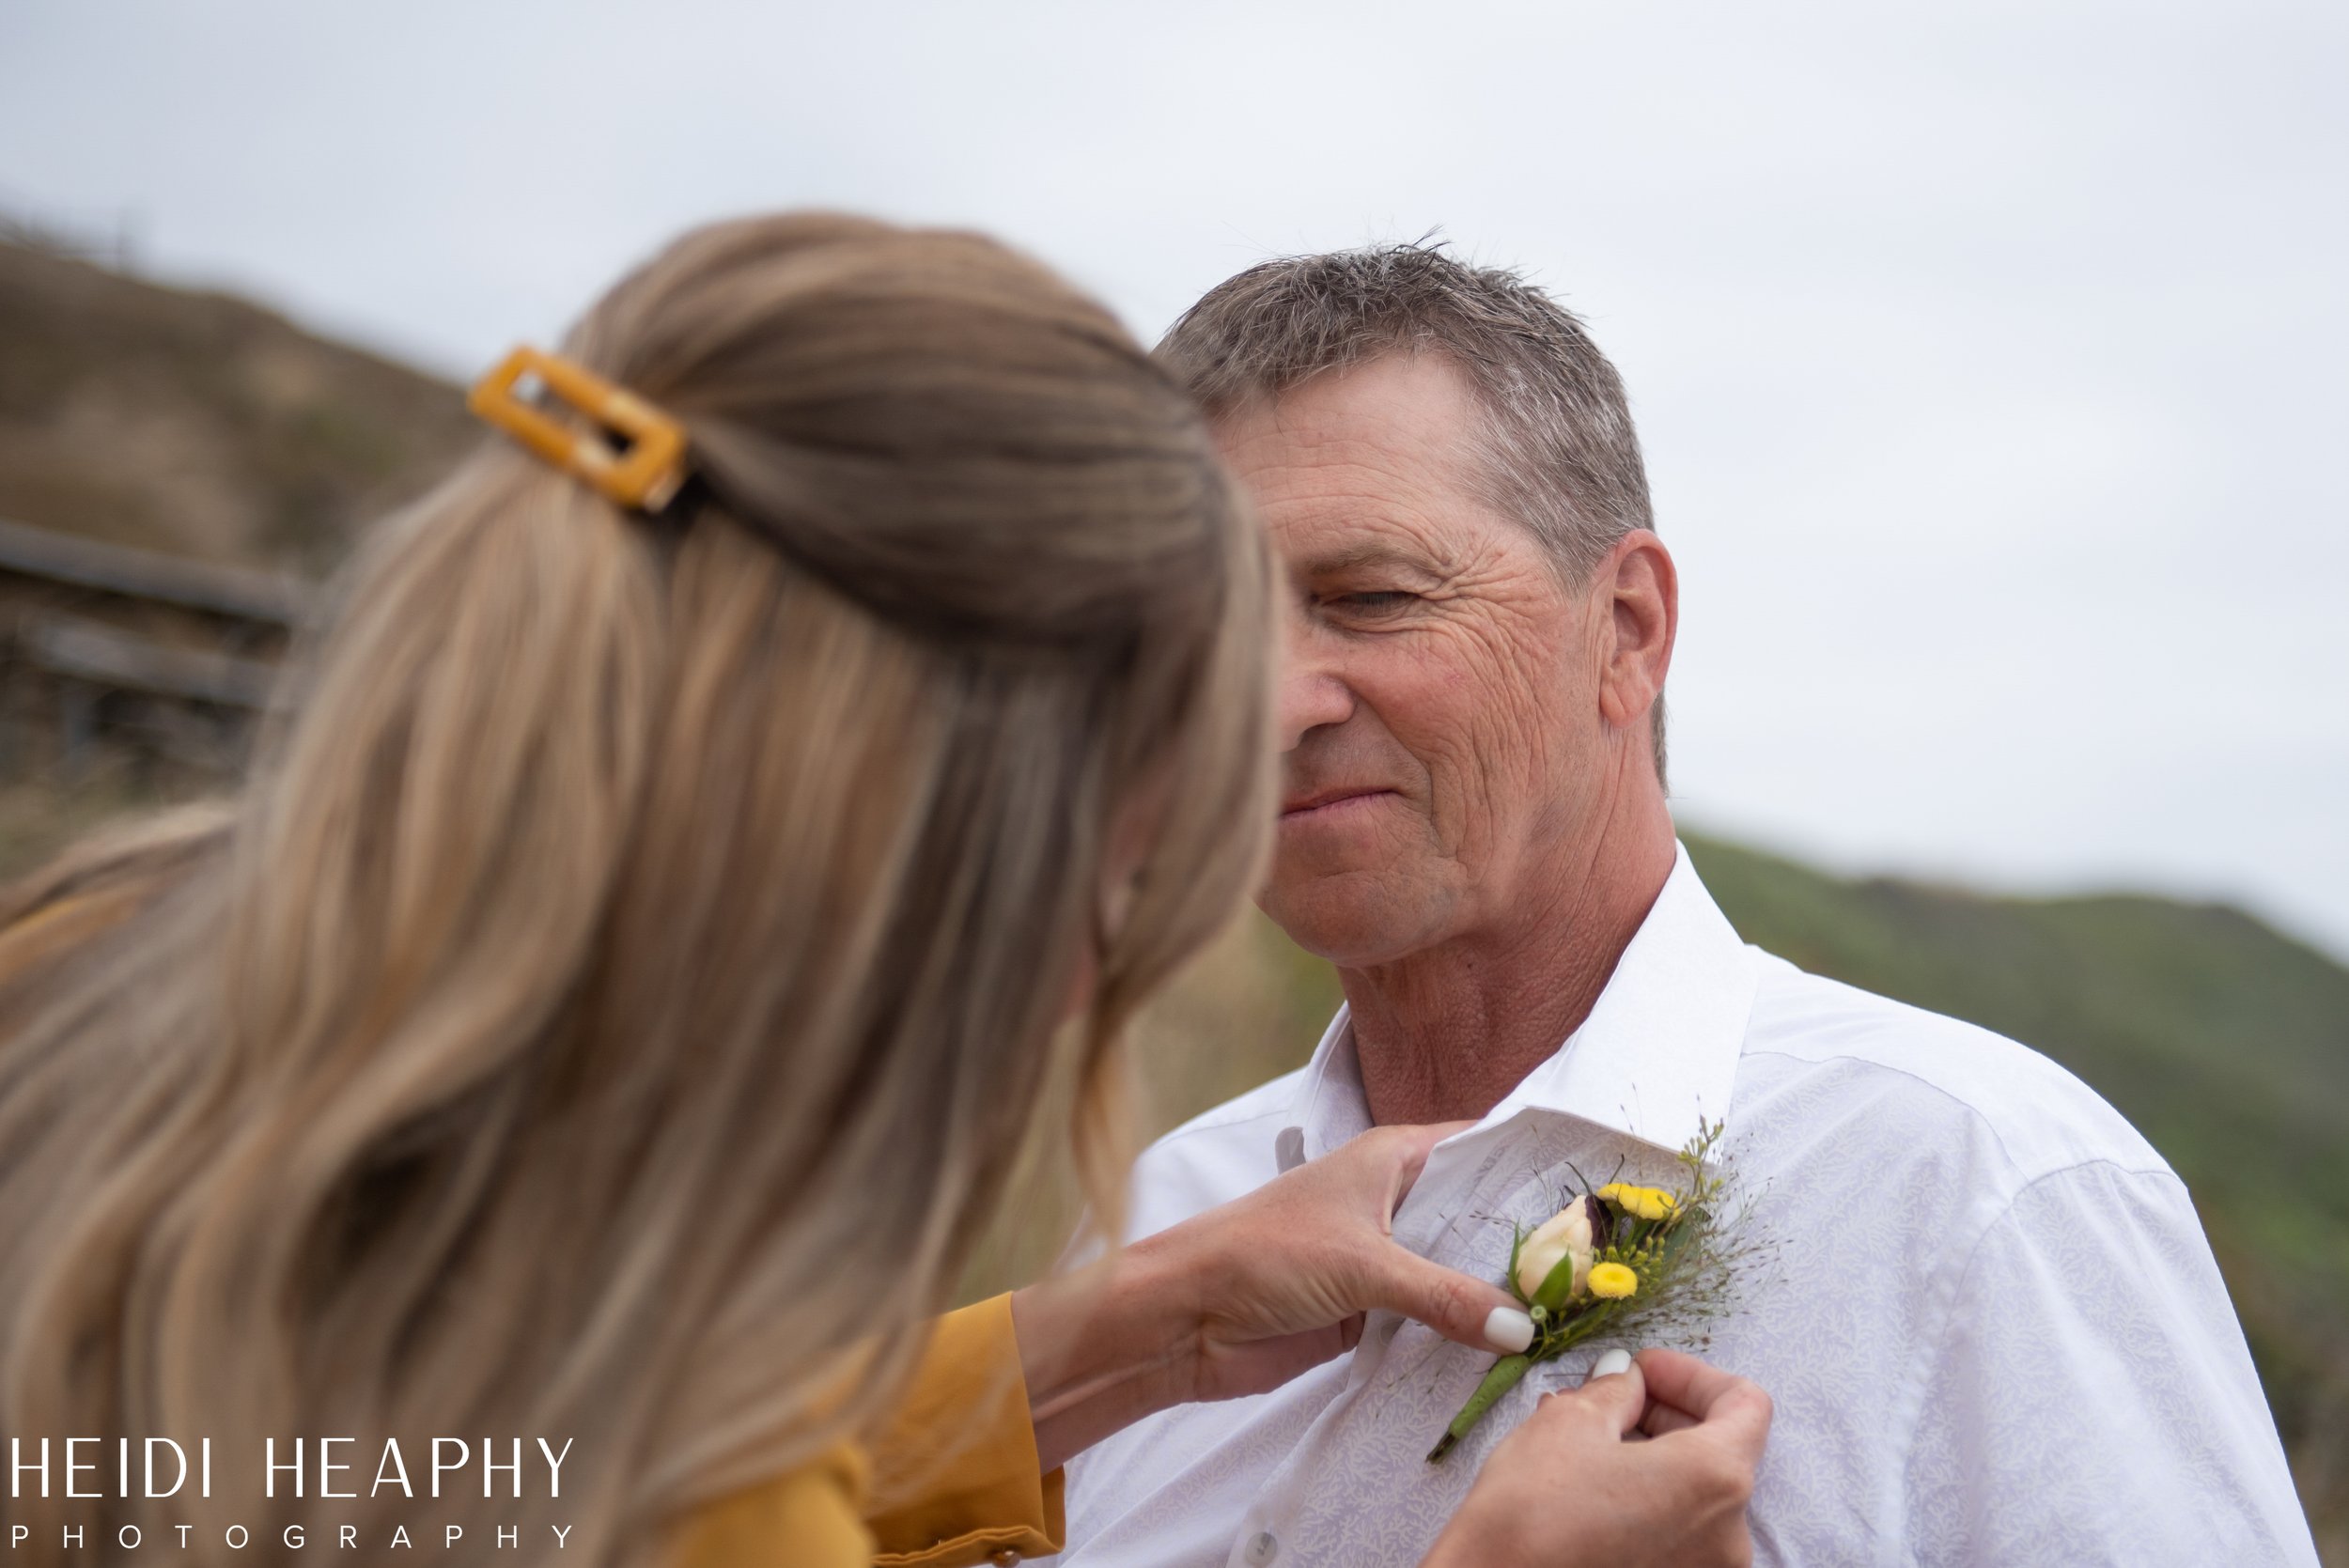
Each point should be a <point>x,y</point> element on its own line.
<point>613,1008</point>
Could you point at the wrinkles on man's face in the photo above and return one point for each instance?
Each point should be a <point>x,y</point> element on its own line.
<point>1425,697</point>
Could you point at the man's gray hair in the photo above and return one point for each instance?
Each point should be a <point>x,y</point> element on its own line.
<point>1559,451</point>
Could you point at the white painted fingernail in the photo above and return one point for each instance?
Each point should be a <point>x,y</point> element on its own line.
<point>1508,1329</point>
<point>1616,1360</point>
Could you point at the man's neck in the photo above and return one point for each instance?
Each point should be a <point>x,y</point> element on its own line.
<point>1445,1033</point>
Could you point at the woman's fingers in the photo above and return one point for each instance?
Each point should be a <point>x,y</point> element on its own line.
<point>1566,1487</point>
<point>1684,1392</point>
<point>1377,1169</point>
<point>1685,1382</point>
<point>1460,1308</point>
<point>1698,1389</point>
<point>1678,1502</point>
<point>1615,1397</point>
<point>1408,1145</point>
<point>1661,1419</point>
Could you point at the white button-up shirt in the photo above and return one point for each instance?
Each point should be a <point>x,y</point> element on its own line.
<point>1992,1327</point>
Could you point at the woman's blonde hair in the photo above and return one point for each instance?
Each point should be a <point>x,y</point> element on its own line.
<point>625,984</point>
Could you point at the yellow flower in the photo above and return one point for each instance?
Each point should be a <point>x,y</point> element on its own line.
<point>1612,1281</point>
<point>1644,1202</point>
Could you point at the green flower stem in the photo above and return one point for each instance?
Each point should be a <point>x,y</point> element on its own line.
<point>1504,1376</point>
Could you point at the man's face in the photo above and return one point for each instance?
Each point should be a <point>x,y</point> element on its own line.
<point>1438,691</point>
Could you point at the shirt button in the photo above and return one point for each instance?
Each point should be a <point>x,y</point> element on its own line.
<point>1262,1548</point>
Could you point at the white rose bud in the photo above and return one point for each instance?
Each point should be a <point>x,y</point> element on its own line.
<point>1566,1233</point>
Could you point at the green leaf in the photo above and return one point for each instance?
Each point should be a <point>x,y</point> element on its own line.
<point>1557,1285</point>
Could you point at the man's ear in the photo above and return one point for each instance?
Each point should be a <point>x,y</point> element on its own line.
<point>1638,590</point>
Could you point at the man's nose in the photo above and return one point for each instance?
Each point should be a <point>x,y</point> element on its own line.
<point>1312,695</point>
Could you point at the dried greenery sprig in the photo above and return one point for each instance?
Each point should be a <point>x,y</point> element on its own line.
<point>1620,1260</point>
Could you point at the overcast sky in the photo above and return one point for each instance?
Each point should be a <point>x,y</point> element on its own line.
<point>1992,359</point>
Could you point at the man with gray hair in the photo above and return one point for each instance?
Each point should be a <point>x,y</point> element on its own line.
<point>1993,1330</point>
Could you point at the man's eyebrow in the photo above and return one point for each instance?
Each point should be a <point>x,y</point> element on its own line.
<point>1368,553</point>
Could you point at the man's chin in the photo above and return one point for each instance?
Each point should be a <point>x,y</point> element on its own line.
<point>1352,919</point>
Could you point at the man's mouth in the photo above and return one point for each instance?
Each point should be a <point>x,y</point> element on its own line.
<point>1323,800</point>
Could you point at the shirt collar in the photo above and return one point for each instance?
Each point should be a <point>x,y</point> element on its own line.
<point>1657,1054</point>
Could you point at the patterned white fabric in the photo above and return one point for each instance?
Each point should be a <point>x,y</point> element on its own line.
<point>1994,1330</point>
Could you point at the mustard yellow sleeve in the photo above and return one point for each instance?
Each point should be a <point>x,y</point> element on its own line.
<point>956,1479</point>
<point>951,1481</point>
<point>809,1519</point>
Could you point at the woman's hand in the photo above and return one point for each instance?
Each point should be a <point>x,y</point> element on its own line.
<point>1279,1280</point>
<point>1651,1467</point>
<point>1244,1297</point>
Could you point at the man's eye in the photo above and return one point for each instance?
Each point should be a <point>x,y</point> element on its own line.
<point>1375,605</point>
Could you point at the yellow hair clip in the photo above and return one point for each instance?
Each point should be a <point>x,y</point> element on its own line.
<point>643,475</point>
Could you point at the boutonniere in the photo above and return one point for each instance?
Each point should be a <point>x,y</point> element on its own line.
<point>1620,1260</point>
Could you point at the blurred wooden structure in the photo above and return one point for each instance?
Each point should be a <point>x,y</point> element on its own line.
<point>130,654</point>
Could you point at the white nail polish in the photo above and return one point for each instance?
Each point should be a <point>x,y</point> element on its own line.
<point>1508,1329</point>
<point>1616,1360</point>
